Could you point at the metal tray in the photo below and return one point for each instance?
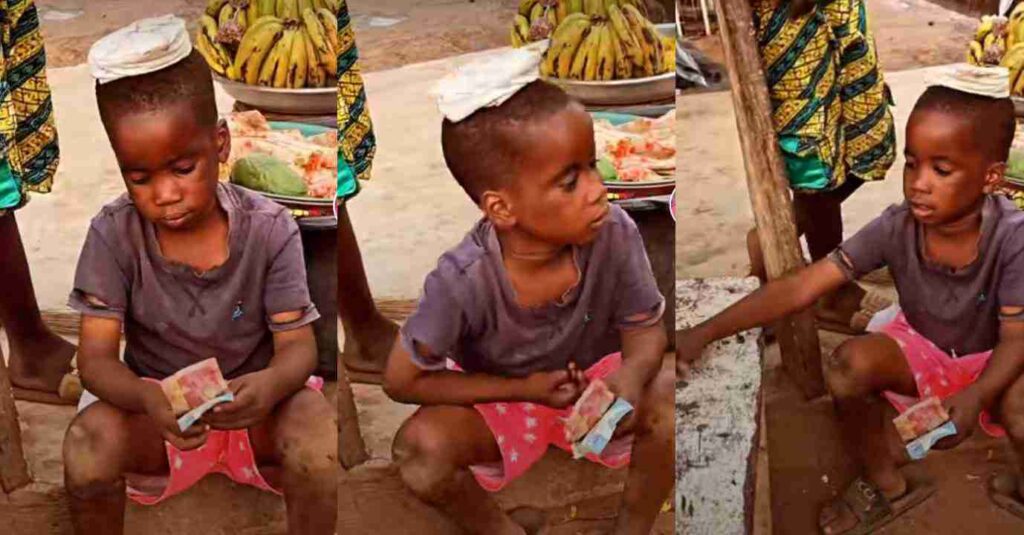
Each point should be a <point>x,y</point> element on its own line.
<point>624,92</point>
<point>311,101</point>
<point>307,130</point>
<point>634,189</point>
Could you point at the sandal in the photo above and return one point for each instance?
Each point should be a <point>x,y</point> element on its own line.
<point>871,508</point>
<point>1003,491</point>
<point>68,393</point>
<point>872,303</point>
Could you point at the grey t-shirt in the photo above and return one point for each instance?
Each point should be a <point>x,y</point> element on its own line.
<point>173,316</point>
<point>468,310</point>
<point>956,309</point>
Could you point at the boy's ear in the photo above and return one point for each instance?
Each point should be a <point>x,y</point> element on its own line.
<point>223,141</point>
<point>994,176</point>
<point>498,209</point>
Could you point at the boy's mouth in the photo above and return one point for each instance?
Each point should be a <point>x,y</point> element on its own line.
<point>599,220</point>
<point>176,219</point>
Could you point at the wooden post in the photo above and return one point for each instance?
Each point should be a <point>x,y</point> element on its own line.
<point>768,187</point>
<point>13,468</point>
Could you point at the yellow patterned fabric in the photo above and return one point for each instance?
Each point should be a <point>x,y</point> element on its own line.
<point>28,135</point>
<point>828,95</point>
<point>355,130</point>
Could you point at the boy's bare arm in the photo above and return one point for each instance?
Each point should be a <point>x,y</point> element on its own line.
<point>642,352</point>
<point>406,382</point>
<point>1006,363</point>
<point>294,357</point>
<point>99,349</point>
<point>771,302</point>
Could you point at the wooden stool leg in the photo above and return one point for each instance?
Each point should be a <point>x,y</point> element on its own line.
<point>13,468</point>
<point>351,448</point>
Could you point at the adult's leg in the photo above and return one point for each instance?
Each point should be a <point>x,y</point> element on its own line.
<point>651,472</point>
<point>100,446</point>
<point>368,334</point>
<point>434,449</point>
<point>301,436</point>
<point>857,373</point>
<point>39,358</point>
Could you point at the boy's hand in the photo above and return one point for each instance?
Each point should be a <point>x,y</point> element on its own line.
<point>557,389</point>
<point>689,346</point>
<point>256,395</point>
<point>964,408</point>
<point>628,390</point>
<point>158,408</point>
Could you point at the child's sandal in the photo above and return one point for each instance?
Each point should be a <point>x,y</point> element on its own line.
<point>871,508</point>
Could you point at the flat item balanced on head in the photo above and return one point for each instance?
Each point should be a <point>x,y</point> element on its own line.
<point>993,82</point>
<point>142,47</point>
<point>488,81</point>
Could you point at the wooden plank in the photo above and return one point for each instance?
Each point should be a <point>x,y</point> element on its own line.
<point>13,468</point>
<point>717,425</point>
<point>768,188</point>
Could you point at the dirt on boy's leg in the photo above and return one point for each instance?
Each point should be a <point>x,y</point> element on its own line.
<point>95,454</point>
<point>652,468</point>
<point>39,358</point>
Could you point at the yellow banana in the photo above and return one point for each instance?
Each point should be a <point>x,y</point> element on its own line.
<point>316,33</point>
<point>254,48</point>
<point>552,17</point>
<point>623,65</point>
<point>333,6</point>
<point>561,11</point>
<point>575,6</point>
<point>514,38</point>
<point>593,55</point>
<point>626,37</point>
<point>646,38</point>
<point>984,28</point>
<point>668,54</point>
<point>266,7</point>
<point>266,71</point>
<point>523,27</point>
<point>594,7</point>
<point>252,13</point>
<point>537,12</point>
<point>605,55</point>
<point>226,14</point>
<point>303,5</point>
<point>213,7</point>
<point>526,6</point>
<point>609,3</point>
<point>1018,86</point>
<point>209,27</point>
<point>330,23</point>
<point>579,61</point>
<point>974,53</point>
<point>313,78</point>
<point>564,43</point>
<point>203,46</point>
<point>284,47</point>
<point>298,67</point>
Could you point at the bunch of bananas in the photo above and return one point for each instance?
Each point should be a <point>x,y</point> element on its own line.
<point>613,42</point>
<point>537,19</point>
<point>990,41</point>
<point>273,43</point>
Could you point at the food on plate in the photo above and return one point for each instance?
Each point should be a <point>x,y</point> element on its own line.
<point>266,173</point>
<point>273,43</point>
<point>640,150</point>
<point>594,39</point>
<point>588,410</point>
<point>194,385</point>
<point>314,159</point>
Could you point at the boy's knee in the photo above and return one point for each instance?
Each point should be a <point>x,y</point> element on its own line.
<point>419,450</point>
<point>848,370</point>
<point>659,403</point>
<point>306,435</point>
<point>94,447</point>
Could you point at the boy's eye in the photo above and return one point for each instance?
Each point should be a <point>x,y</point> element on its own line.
<point>184,169</point>
<point>942,170</point>
<point>569,183</point>
<point>138,180</point>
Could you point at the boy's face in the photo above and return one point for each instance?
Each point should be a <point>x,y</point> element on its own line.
<point>557,195</point>
<point>170,164</point>
<point>946,172</point>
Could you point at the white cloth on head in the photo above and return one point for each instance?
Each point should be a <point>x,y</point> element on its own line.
<point>991,82</point>
<point>489,81</point>
<point>142,47</point>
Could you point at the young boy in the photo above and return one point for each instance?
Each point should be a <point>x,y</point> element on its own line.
<point>191,269</point>
<point>955,253</point>
<point>542,295</point>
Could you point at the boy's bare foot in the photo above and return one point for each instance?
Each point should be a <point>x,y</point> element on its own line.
<point>1007,491</point>
<point>864,507</point>
<point>40,363</point>
<point>367,347</point>
<point>532,520</point>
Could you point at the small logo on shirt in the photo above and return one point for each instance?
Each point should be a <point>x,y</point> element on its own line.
<point>982,298</point>
<point>238,312</point>
<point>587,318</point>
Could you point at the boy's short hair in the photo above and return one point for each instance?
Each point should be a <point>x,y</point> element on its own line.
<point>188,80</point>
<point>482,150</point>
<point>993,120</point>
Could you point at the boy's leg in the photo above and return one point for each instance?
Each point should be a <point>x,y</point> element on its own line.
<point>1011,415</point>
<point>857,373</point>
<point>100,446</point>
<point>368,335</point>
<point>301,436</point>
<point>434,449</point>
<point>39,358</point>
<point>651,470</point>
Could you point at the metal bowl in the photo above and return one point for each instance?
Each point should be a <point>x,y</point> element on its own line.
<point>310,101</point>
<point>624,92</point>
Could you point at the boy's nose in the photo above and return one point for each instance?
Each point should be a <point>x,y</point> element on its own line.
<point>167,191</point>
